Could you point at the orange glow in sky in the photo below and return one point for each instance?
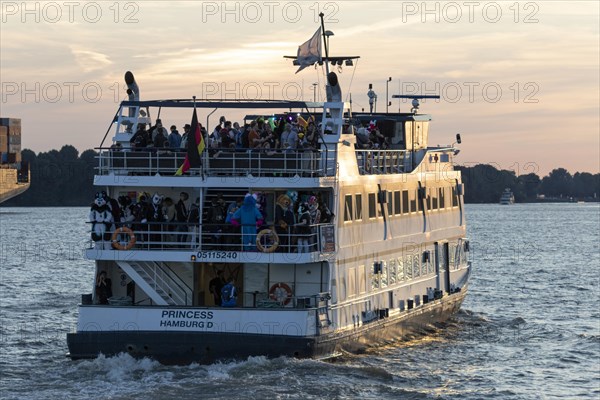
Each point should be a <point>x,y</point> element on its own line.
<point>518,80</point>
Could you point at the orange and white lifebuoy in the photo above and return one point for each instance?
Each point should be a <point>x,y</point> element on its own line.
<point>115,238</point>
<point>267,240</point>
<point>280,292</point>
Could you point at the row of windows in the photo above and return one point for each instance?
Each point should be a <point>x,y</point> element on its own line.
<point>399,202</point>
<point>403,268</point>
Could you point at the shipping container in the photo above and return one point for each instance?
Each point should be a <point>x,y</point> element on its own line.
<point>10,122</point>
<point>3,139</point>
<point>14,158</point>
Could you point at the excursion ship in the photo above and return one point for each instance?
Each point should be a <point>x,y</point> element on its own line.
<point>388,256</point>
<point>14,173</point>
<point>507,197</point>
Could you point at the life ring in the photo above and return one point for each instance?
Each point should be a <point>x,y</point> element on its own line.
<point>115,238</point>
<point>269,236</point>
<point>280,292</point>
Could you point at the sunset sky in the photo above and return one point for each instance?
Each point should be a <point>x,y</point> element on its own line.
<point>518,80</point>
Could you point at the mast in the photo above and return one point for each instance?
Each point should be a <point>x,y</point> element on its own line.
<point>321,15</point>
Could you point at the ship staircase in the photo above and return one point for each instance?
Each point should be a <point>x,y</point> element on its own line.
<point>159,282</point>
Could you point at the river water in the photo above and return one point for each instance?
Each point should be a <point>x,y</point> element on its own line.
<point>529,328</point>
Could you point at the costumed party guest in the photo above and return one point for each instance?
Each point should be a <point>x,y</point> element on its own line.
<point>229,294</point>
<point>233,232</point>
<point>126,211</point>
<point>303,228</point>
<point>194,221</point>
<point>284,219</point>
<point>249,218</point>
<point>103,288</point>
<point>182,217</point>
<point>154,216</point>
<point>100,217</point>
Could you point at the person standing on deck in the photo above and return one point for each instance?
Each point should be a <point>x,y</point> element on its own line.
<point>249,218</point>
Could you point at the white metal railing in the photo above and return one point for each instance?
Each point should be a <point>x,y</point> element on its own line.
<point>161,279</point>
<point>182,236</point>
<point>221,162</point>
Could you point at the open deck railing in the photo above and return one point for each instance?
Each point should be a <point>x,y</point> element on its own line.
<point>220,162</point>
<point>181,236</point>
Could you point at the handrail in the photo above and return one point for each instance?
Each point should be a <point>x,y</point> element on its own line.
<point>220,161</point>
<point>221,237</point>
<point>159,278</point>
<point>178,277</point>
<point>157,265</point>
<point>109,127</point>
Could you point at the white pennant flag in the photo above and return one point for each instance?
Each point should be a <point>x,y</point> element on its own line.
<point>310,51</point>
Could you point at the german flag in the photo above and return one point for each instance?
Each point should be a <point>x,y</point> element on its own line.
<point>195,147</point>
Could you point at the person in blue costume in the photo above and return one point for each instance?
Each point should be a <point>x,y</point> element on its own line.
<point>249,218</point>
<point>229,294</point>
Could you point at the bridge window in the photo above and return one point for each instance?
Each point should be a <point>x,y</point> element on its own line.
<point>390,204</point>
<point>348,210</point>
<point>358,207</point>
<point>413,201</point>
<point>442,197</point>
<point>405,209</point>
<point>397,203</point>
<point>372,206</point>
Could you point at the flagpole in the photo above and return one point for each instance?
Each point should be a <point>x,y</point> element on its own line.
<point>321,15</point>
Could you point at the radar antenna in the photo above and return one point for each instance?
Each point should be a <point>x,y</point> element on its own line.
<point>415,99</point>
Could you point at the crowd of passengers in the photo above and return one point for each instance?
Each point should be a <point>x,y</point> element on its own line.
<point>268,134</point>
<point>162,222</point>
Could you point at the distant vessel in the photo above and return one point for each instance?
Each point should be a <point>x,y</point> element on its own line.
<point>14,173</point>
<point>391,259</point>
<point>507,197</point>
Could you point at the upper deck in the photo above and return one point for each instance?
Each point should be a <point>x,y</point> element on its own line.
<point>398,146</point>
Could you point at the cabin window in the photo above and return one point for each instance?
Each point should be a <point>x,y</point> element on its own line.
<point>351,288</point>
<point>374,275</point>
<point>397,203</point>
<point>372,206</point>
<point>416,266</point>
<point>383,273</point>
<point>390,203</point>
<point>392,272</point>
<point>434,199</point>
<point>358,207</point>
<point>405,209</point>
<point>348,211</point>
<point>442,200</point>
<point>408,267</point>
<point>400,269</point>
<point>428,200</point>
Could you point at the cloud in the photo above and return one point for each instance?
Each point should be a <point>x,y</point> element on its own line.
<point>90,60</point>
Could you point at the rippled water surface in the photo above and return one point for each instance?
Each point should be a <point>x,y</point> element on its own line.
<point>529,328</point>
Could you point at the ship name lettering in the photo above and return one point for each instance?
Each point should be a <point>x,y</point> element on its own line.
<point>185,324</point>
<point>187,314</point>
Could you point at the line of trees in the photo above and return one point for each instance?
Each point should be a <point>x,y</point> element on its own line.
<point>65,178</point>
<point>485,184</point>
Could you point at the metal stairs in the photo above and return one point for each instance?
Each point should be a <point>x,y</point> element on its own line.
<point>159,282</point>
